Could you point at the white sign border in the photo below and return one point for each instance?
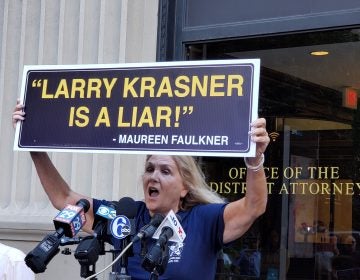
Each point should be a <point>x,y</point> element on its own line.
<point>254,114</point>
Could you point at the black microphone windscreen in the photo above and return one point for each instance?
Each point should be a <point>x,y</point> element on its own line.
<point>157,219</point>
<point>127,207</point>
<point>84,203</point>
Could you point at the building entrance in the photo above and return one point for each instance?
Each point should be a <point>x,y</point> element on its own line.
<point>309,89</point>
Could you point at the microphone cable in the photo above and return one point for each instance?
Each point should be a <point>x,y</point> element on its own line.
<point>113,262</point>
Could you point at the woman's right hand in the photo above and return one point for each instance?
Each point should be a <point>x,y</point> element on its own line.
<point>18,113</point>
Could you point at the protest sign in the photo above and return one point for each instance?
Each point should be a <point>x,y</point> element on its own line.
<point>192,107</point>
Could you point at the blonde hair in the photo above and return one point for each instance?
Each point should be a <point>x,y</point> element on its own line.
<point>194,180</point>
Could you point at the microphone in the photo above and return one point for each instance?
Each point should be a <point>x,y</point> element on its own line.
<point>87,254</point>
<point>106,225</point>
<point>64,241</point>
<point>170,229</point>
<point>123,224</point>
<point>150,228</point>
<point>40,256</point>
<point>88,251</point>
<point>122,227</point>
<point>72,218</point>
<point>170,224</point>
<point>103,216</point>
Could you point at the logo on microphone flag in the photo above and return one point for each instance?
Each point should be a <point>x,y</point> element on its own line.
<point>106,212</point>
<point>171,221</point>
<point>72,217</point>
<point>120,227</point>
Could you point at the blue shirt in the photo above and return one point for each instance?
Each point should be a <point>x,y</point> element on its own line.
<point>196,257</point>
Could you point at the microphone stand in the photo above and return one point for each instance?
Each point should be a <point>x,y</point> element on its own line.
<point>124,260</point>
<point>154,275</point>
<point>123,263</point>
<point>156,260</point>
<point>114,275</point>
<point>160,267</point>
<point>87,253</point>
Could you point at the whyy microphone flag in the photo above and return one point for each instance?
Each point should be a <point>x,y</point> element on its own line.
<point>172,222</point>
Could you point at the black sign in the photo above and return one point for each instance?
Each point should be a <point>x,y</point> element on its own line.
<point>202,108</point>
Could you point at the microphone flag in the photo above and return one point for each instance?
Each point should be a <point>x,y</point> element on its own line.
<point>172,222</point>
<point>72,218</point>
<point>120,227</point>
<point>106,212</point>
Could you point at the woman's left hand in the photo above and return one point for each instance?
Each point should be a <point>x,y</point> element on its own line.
<point>260,136</point>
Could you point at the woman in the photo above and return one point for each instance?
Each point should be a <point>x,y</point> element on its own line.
<point>177,183</point>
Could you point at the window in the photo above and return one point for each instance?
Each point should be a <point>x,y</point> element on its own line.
<point>311,229</point>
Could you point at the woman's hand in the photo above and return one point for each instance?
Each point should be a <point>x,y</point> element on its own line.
<point>240,214</point>
<point>18,113</point>
<point>260,136</point>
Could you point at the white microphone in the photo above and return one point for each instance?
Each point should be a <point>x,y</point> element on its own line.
<point>171,225</point>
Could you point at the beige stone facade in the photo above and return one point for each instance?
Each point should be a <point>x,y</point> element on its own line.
<point>65,32</point>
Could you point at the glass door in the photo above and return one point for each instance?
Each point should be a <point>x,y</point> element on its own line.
<point>309,90</point>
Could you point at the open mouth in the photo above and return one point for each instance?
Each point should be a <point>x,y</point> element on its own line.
<point>153,192</point>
